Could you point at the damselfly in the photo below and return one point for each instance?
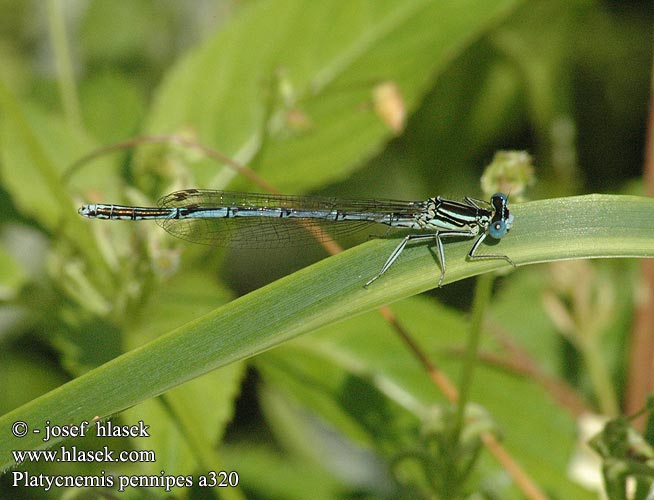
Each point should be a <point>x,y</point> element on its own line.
<point>225,218</point>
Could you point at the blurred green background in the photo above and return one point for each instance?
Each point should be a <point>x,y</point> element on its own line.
<point>291,88</point>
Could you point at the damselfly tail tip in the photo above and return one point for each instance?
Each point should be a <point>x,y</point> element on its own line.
<point>87,210</point>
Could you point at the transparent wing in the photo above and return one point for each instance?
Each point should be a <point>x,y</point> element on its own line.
<point>206,198</point>
<point>270,232</point>
<point>258,232</point>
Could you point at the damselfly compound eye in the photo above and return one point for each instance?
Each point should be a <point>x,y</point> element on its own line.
<point>497,229</point>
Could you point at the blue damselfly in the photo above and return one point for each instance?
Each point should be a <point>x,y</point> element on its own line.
<point>225,218</point>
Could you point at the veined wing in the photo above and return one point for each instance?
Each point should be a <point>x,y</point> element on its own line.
<point>266,230</point>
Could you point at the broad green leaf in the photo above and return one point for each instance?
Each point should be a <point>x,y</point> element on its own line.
<point>36,378</point>
<point>37,151</point>
<point>112,107</point>
<point>319,370</point>
<point>12,276</point>
<point>287,86</point>
<point>190,421</point>
<point>36,155</point>
<point>311,438</point>
<point>271,474</point>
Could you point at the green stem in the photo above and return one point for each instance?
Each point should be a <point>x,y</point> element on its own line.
<point>61,49</point>
<point>481,300</point>
<point>600,379</point>
<point>482,297</point>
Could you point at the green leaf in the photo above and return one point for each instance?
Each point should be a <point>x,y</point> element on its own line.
<point>112,106</point>
<point>190,421</point>
<point>271,474</point>
<point>12,276</point>
<point>36,151</point>
<point>37,377</point>
<point>317,372</point>
<point>327,292</point>
<point>272,94</point>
